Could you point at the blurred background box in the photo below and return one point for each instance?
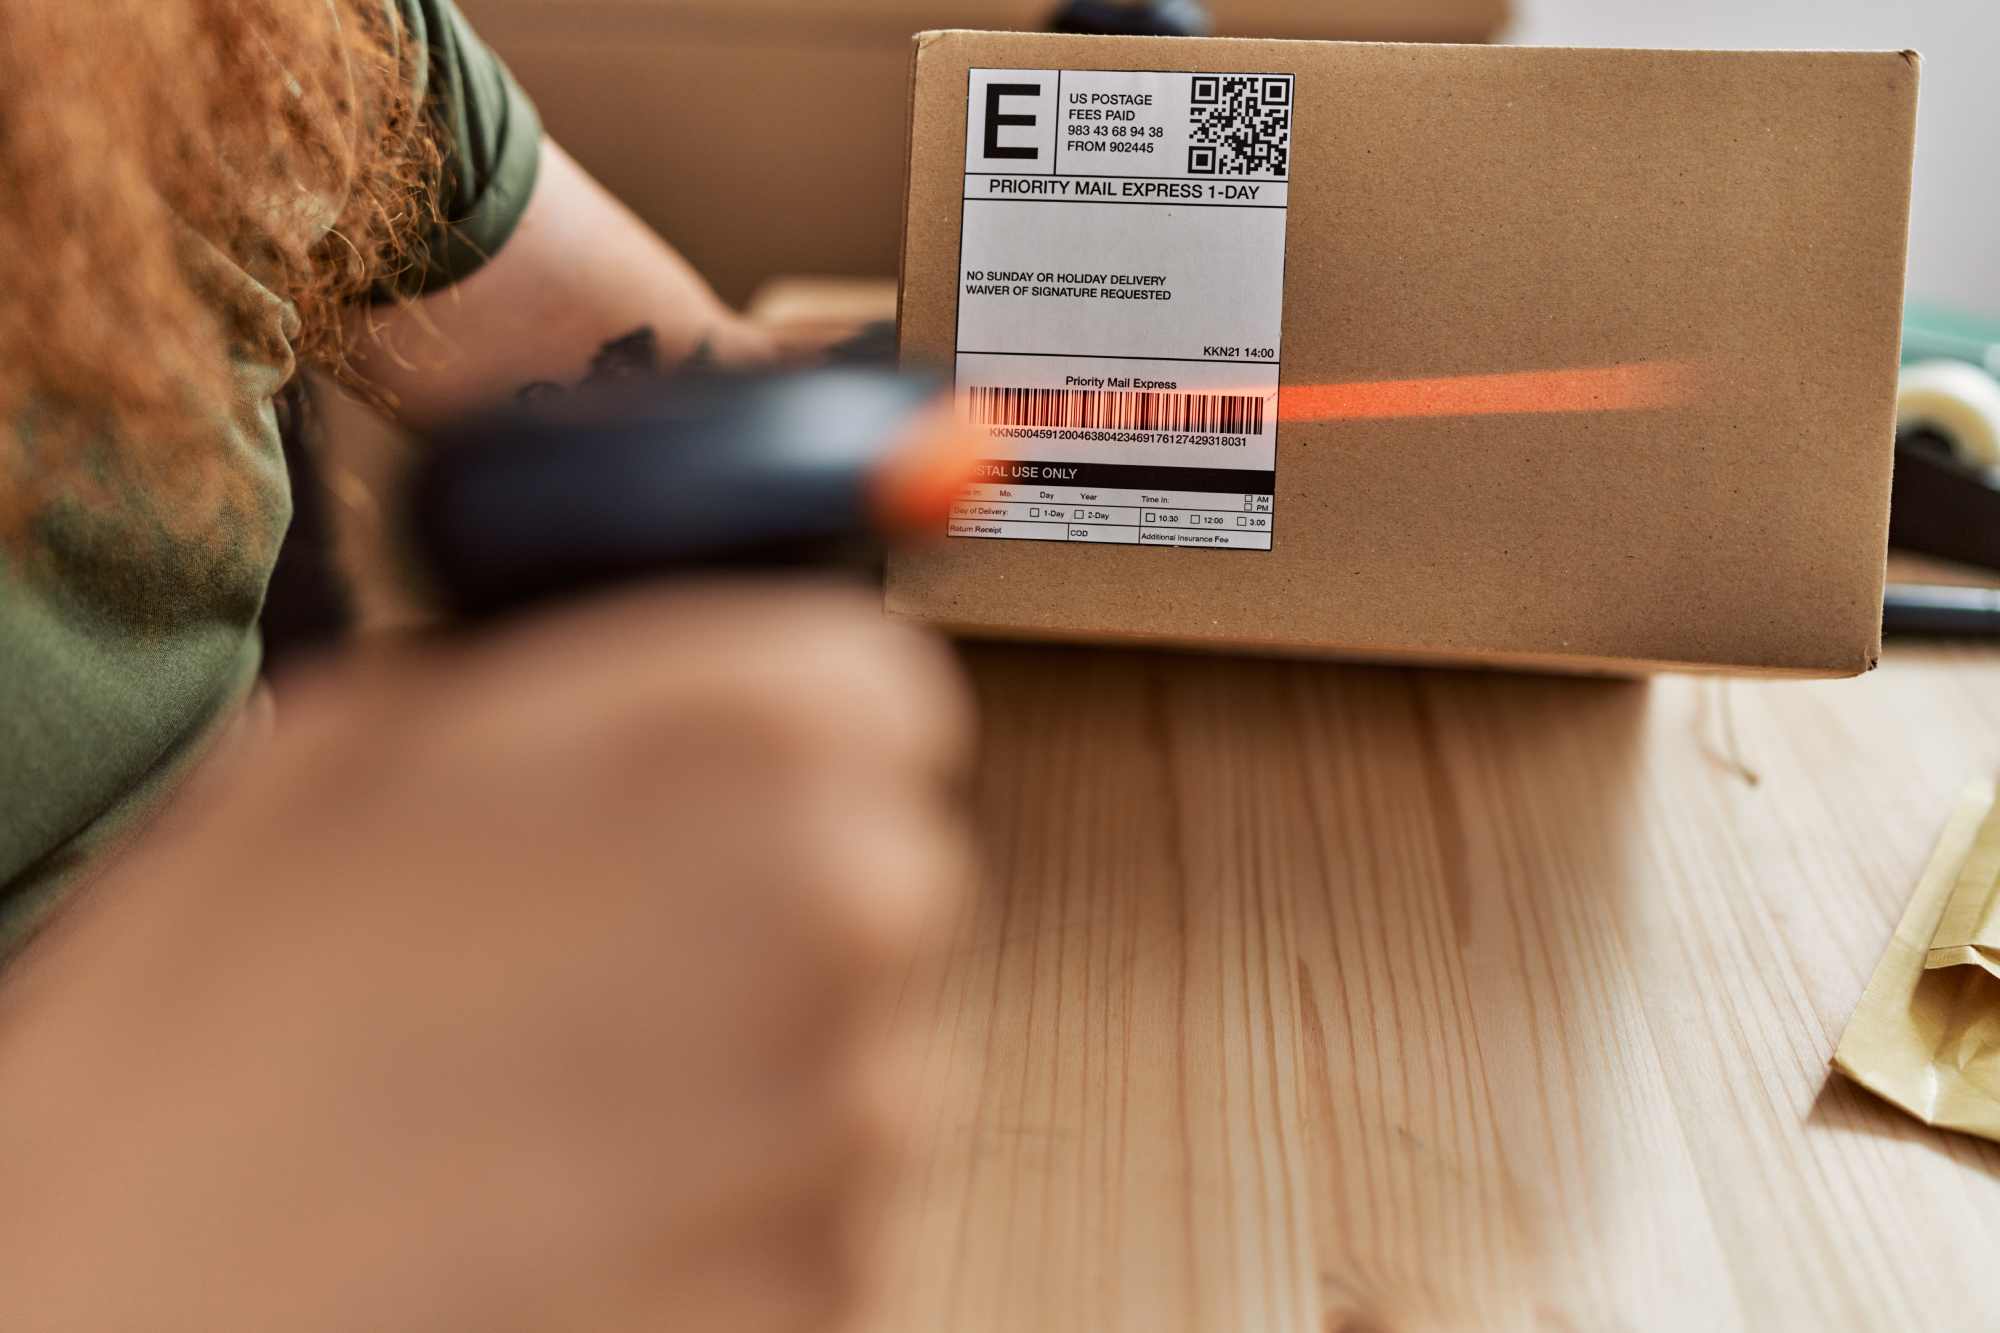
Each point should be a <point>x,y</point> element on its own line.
<point>767,136</point>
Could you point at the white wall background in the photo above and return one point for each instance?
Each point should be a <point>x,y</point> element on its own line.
<point>1955,234</point>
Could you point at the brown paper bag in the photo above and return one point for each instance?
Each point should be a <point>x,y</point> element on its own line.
<point>1926,1035</point>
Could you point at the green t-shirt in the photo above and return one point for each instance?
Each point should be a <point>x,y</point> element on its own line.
<point>124,642</point>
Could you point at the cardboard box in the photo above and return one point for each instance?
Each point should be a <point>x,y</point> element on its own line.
<point>767,136</point>
<point>1586,360</point>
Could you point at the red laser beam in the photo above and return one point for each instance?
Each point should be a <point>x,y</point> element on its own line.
<point>1628,388</point>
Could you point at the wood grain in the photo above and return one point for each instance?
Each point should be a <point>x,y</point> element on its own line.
<point>1305,997</point>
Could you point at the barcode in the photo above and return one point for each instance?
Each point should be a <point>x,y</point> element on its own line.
<point>1113,409</point>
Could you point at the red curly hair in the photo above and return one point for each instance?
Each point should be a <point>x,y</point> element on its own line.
<point>133,129</point>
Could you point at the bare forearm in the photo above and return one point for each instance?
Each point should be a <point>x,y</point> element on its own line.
<point>580,272</point>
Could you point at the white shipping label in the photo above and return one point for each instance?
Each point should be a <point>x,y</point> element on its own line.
<point>1121,298</point>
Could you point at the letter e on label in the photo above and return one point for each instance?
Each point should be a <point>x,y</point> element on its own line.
<point>1011,128</point>
<point>996,96</point>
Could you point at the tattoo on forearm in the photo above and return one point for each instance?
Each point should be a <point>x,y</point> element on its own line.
<point>635,355</point>
<point>630,356</point>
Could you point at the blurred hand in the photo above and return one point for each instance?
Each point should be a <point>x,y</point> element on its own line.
<point>538,984</point>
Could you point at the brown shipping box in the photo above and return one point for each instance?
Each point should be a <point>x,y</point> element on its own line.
<point>767,136</point>
<point>1569,359</point>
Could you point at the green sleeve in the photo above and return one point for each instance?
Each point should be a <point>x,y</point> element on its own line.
<point>128,627</point>
<point>492,141</point>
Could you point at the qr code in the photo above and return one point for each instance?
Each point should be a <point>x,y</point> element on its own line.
<point>1240,125</point>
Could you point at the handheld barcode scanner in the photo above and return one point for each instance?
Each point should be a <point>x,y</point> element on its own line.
<point>694,473</point>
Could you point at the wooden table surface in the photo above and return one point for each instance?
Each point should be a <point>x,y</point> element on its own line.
<point>1358,1000</point>
<point>1306,997</point>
